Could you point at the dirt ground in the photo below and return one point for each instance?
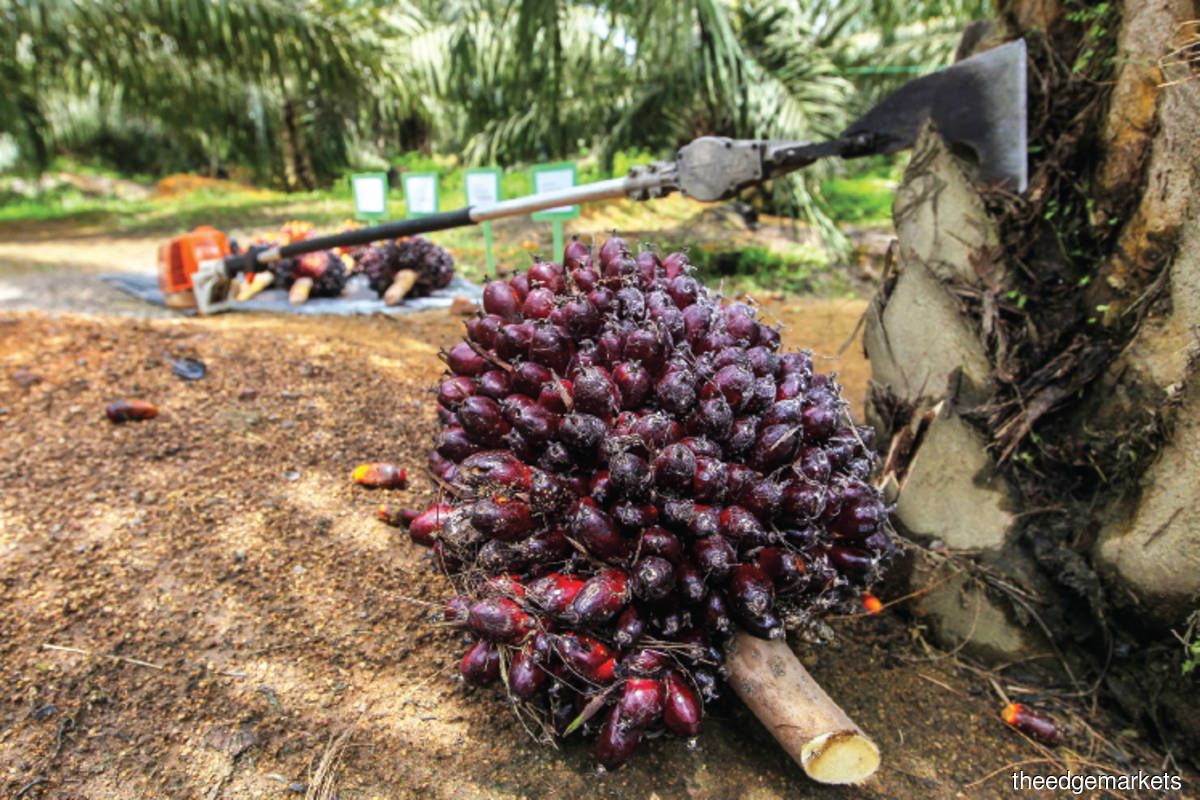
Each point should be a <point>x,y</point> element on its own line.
<point>198,605</point>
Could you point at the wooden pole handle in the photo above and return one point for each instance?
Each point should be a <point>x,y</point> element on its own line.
<point>811,727</point>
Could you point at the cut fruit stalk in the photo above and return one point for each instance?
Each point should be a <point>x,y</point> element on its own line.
<point>402,284</point>
<point>298,294</point>
<point>256,283</point>
<point>812,728</point>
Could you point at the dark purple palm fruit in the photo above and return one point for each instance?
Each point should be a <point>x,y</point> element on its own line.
<point>640,469</point>
<point>575,253</point>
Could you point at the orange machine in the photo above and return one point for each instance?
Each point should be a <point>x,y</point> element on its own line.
<point>179,259</point>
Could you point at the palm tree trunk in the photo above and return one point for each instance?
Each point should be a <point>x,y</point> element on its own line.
<point>1034,362</point>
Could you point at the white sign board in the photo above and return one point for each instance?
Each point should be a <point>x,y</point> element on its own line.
<point>483,188</point>
<point>420,193</point>
<point>552,180</point>
<point>370,195</point>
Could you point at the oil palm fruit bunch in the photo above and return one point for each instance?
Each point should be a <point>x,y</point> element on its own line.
<point>415,262</point>
<point>631,469</point>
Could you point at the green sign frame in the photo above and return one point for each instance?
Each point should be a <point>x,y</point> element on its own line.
<point>551,215</point>
<point>360,195</point>
<point>407,179</point>
<point>497,175</point>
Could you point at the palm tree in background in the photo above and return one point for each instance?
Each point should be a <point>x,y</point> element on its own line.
<point>297,90</point>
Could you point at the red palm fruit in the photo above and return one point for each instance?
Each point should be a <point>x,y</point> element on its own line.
<point>642,701</point>
<point>859,518</point>
<point>495,468</point>
<point>819,421</point>
<point>633,517</point>
<point>453,391</point>
<point>585,657</point>
<point>482,419</point>
<point>586,278</point>
<point>784,412</point>
<point>649,268</point>
<point>581,318</point>
<point>714,556</point>
<point>670,619</point>
<point>774,448</point>
<point>535,423</point>
<point>740,323</point>
<point>763,361</point>
<point>553,593</point>
<point>500,620</point>
<point>595,393</point>
<point>644,663</point>
<point>763,397</point>
<point>689,582</point>
<point>739,478</point>
<point>751,598</point>
<point>702,446</point>
<point>481,664</point>
<point>763,499</point>
<point>704,521</point>
<point>395,516</point>
<point>613,247</point>
<point>444,469</point>
<point>789,387</point>
<point>539,303</point>
<point>445,561</point>
<point>556,395</point>
<point>501,299</point>
<point>803,502</point>
<point>552,348</point>
<point>742,529</point>
<point>600,489</point>
<point>714,341</point>
<point>502,518</point>
<point>425,528</point>
<point>684,291</point>
<point>715,614</point>
<point>494,384</point>
<point>630,628</point>
<point>456,610</point>
<point>463,360</point>
<point>784,567</point>
<point>484,330</point>
<point>529,377</point>
<point>496,555</point>
<point>629,475</point>
<point>658,541</point>
<point>735,383</point>
<point>454,445</point>
<point>696,320</point>
<point>655,431</point>
<point>742,435</point>
<point>582,433</point>
<point>548,494</point>
<point>380,475</point>
<point>616,742</point>
<point>674,265</point>
<point>547,274</point>
<point>520,284</point>
<point>676,391</point>
<point>653,578</point>
<point>620,271</point>
<point>850,560</point>
<point>603,298</point>
<point>797,363</point>
<point>683,713</point>
<point>813,464</point>
<point>573,252</point>
<point>674,468</point>
<point>644,344</point>
<point>768,336</point>
<point>709,480</point>
<point>633,383</point>
<point>601,598</point>
<point>525,675</point>
<point>545,546</point>
<point>597,532</point>
<point>513,341</point>
<point>712,418</point>
<point>631,303</point>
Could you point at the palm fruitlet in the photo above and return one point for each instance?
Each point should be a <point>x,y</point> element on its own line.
<point>632,470</point>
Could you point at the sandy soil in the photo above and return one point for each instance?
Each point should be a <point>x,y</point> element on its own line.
<point>239,606</point>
